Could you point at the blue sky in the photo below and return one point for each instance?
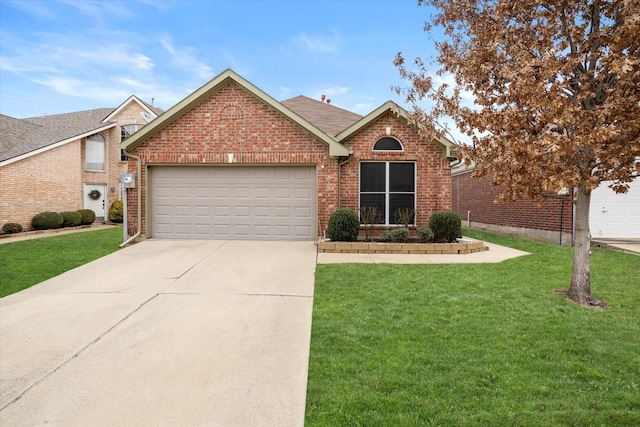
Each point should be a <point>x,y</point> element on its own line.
<point>62,56</point>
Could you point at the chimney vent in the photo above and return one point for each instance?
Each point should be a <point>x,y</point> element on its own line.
<point>322,98</point>
<point>328,101</point>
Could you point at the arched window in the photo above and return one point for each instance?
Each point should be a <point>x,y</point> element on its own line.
<point>387,144</point>
<point>94,155</point>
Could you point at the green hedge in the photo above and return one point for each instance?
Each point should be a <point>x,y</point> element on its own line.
<point>446,226</point>
<point>47,220</point>
<point>88,216</point>
<point>344,225</point>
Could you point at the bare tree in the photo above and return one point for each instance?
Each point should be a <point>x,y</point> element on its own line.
<point>556,92</point>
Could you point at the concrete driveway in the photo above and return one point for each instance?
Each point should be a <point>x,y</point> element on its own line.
<point>163,333</point>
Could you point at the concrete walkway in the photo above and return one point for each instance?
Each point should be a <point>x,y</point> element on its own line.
<point>496,253</point>
<point>163,333</point>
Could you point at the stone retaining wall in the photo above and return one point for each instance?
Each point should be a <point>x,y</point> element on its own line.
<point>466,247</point>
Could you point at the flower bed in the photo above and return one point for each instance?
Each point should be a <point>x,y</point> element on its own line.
<point>464,246</point>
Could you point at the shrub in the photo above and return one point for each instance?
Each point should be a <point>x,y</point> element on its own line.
<point>88,216</point>
<point>71,219</point>
<point>344,225</point>
<point>397,235</point>
<point>47,220</point>
<point>404,216</point>
<point>425,235</point>
<point>12,227</point>
<point>115,211</point>
<point>446,226</point>
<point>369,216</point>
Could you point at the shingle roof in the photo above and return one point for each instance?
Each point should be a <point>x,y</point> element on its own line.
<point>21,136</point>
<point>327,117</point>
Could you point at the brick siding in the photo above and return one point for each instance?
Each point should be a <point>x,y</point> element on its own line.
<point>234,121</point>
<point>433,191</point>
<point>54,179</point>
<point>474,200</point>
<point>49,181</point>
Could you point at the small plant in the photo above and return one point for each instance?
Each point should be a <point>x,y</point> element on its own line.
<point>11,228</point>
<point>398,235</point>
<point>425,235</point>
<point>446,226</point>
<point>115,211</point>
<point>369,217</point>
<point>71,219</point>
<point>405,216</point>
<point>344,225</point>
<point>88,216</point>
<point>47,220</point>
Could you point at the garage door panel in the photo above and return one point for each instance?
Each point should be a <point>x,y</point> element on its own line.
<point>614,215</point>
<point>233,202</point>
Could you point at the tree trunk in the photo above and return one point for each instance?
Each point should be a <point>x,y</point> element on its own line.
<point>580,287</point>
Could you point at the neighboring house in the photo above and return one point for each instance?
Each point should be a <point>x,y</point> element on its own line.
<point>230,162</point>
<point>612,216</point>
<point>52,163</point>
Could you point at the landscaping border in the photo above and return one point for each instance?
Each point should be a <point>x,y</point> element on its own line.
<point>464,246</point>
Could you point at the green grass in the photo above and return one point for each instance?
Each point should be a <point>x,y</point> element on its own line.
<point>26,263</point>
<point>476,344</point>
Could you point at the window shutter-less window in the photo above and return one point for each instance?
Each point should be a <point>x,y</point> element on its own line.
<point>94,156</point>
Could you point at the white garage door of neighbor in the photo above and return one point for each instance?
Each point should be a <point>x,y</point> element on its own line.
<point>235,203</point>
<point>615,215</point>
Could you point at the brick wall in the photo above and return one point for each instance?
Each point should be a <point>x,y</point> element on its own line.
<point>234,121</point>
<point>474,200</point>
<point>433,191</point>
<point>49,181</point>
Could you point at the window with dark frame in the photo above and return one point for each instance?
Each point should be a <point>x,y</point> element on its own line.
<point>387,144</point>
<point>389,187</point>
<point>125,132</point>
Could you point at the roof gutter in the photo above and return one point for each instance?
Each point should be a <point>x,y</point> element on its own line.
<point>139,188</point>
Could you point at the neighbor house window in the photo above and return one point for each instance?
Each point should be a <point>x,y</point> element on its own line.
<point>387,144</point>
<point>125,132</point>
<point>94,156</point>
<point>388,186</point>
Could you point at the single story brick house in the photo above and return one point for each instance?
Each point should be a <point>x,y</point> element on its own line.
<point>52,163</point>
<point>612,216</point>
<point>231,162</point>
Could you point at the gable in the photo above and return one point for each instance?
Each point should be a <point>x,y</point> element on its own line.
<point>215,85</point>
<point>151,111</point>
<point>448,147</point>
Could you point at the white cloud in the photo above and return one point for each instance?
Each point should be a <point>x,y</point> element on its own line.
<point>185,58</point>
<point>101,91</point>
<point>314,44</point>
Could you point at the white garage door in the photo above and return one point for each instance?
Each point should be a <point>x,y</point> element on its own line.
<point>225,202</point>
<point>615,215</point>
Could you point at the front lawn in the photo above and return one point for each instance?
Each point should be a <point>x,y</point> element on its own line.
<point>25,263</point>
<point>476,344</point>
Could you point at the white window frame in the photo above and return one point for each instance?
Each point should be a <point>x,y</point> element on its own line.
<point>123,129</point>
<point>94,155</point>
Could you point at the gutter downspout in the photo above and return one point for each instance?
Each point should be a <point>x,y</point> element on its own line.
<point>139,188</point>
